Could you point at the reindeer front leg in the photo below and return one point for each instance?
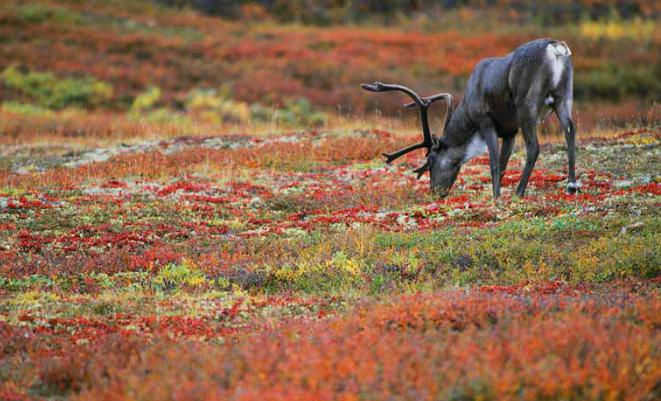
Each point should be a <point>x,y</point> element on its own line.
<point>529,129</point>
<point>491,139</point>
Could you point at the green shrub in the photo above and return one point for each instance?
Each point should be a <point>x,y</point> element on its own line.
<point>29,282</point>
<point>50,92</point>
<point>38,13</point>
<point>615,81</point>
<point>26,109</point>
<point>605,258</point>
<point>259,112</point>
<point>299,111</point>
<point>178,276</point>
<point>166,116</point>
<point>567,248</point>
<point>145,106</point>
<point>296,112</point>
<point>215,106</point>
<point>146,100</point>
<point>340,273</point>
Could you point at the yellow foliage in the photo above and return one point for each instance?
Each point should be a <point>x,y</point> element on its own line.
<point>34,297</point>
<point>614,29</point>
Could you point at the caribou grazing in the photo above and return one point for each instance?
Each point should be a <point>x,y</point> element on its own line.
<point>502,95</point>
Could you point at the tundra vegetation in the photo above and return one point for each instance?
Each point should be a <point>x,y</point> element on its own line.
<point>196,207</point>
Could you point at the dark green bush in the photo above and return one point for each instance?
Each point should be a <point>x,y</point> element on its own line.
<point>616,81</point>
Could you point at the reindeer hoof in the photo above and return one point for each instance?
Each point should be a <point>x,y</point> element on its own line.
<point>573,187</point>
<point>388,157</point>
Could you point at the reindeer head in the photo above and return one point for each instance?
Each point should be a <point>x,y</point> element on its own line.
<point>441,163</point>
<point>444,166</point>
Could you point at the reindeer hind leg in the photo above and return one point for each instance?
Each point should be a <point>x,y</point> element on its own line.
<point>505,153</point>
<point>563,112</point>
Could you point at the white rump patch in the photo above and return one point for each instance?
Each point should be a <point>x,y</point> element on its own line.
<point>561,48</point>
<point>555,52</point>
<point>475,147</point>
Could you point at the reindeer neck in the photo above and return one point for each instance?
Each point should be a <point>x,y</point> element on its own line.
<point>459,129</point>
<point>462,137</point>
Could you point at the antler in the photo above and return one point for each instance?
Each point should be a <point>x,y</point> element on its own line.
<point>433,98</point>
<point>423,103</point>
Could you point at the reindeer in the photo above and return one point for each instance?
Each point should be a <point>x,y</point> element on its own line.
<point>502,95</point>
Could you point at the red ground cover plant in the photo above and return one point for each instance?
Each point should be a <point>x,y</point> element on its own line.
<point>299,266</point>
<point>547,341</point>
<point>305,182</point>
<point>143,259</point>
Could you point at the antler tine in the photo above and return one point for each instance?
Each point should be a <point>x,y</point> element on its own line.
<point>448,109</point>
<point>394,155</point>
<point>433,98</point>
<point>423,104</point>
<point>421,170</point>
<point>381,87</point>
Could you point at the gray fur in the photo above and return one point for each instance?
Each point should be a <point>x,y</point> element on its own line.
<point>503,95</point>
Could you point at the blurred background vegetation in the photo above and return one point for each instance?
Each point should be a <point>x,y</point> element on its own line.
<point>327,12</point>
<point>75,67</point>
